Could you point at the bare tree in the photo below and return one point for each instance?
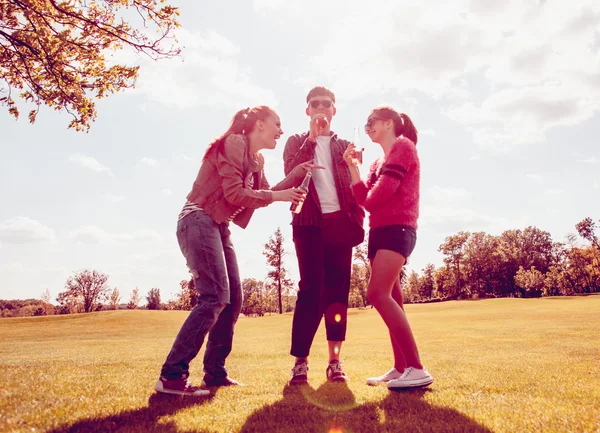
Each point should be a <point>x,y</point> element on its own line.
<point>274,253</point>
<point>134,299</point>
<point>88,287</point>
<point>115,299</point>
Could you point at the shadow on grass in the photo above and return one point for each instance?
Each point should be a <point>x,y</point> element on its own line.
<point>144,419</point>
<point>332,408</point>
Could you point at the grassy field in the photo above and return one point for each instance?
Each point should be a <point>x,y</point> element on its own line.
<point>502,365</point>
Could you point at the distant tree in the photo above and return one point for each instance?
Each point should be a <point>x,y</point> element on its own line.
<point>526,248</point>
<point>114,299</point>
<point>482,264</point>
<point>358,286</point>
<point>274,252</point>
<point>361,275</point>
<point>410,287</point>
<point>48,308</point>
<point>531,280</point>
<point>134,299</point>
<point>587,230</point>
<point>56,52</point>
<point>187,298</point>
<point>426,285</point>
<point>153,299</point>
<point>453,249</point>
<point>87,287</point>
<point>444,283</point>
<point>254,297</point>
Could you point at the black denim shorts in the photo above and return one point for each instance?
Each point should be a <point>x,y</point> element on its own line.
<point>398,238</point>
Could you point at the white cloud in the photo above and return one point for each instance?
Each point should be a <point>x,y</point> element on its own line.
<point>510,72</point>
<point>596,185</point>
<point>592,160</point>
<point>149,161</point>
<point>185,157</point>
<point>538,178</point>
<point>23,230</point>
<point>429,132</point>
<point>448,195</point>
<point>210,73</point>
<point>90,163</point>
<point>167,191</point>
<point>554,191</point>
<point>451,220</point>
<point>91,234</point>
<point>114,198</point>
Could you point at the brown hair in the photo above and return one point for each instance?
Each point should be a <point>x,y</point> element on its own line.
<point>402,123</point>
<point>320,91</point>
<point>243,122</point>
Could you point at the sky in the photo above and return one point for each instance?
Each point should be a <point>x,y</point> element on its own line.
<point>505,95</point>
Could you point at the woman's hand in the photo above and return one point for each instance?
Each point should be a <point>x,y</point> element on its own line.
<point>294,195</point>
<point>352,156</point>
<point>301,169</point>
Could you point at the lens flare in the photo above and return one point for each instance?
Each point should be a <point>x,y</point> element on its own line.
<point>336,349</point>
<point>338,317</point>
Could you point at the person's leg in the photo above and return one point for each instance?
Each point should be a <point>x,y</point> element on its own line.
<point>399,361</point>
<point>220,338</point>
<point>386,268</point>
<point>200,242</point>
<point>338,268</point>
<point>308,311</point>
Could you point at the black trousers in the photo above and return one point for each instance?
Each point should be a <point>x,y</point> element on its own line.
<point>323,289</point>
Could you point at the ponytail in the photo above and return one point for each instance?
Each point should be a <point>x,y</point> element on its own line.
<point>242,123</point>
<point>403,126</point>
<point>407,129</point>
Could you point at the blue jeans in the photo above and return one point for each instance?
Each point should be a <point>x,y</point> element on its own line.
<point>211,259</point>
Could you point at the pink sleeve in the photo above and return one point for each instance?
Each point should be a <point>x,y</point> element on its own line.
<point>400,160</point>
<point>361,189</point>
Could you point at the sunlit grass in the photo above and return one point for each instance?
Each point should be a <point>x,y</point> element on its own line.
<point>506,365</point>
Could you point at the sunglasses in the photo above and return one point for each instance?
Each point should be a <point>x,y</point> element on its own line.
<point>324,103</point>
<point>371,121</point>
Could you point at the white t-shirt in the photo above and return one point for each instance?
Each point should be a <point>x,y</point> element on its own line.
<point>323,179</point>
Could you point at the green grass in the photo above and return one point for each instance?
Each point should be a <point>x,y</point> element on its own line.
<point>503,365</point>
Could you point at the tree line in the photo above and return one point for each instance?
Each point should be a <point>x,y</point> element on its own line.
<point>517,263</point>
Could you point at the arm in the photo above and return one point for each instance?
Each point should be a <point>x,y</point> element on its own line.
<point>360,189</point>
<point>230,163</point>
<point>401,159</point>
<point>296,152</point>
<point>292,180</point>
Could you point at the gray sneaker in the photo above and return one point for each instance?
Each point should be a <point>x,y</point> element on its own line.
<point>179,387</point>
<point>385,378</point>
<point>411,378</point>
<point>299,373</point>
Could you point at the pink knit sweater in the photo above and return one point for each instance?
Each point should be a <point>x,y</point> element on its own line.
<point>391,192</point>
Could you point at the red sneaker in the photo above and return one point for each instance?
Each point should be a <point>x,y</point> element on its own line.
<point>299,373</point>
<point>335,373</point>
<point>179,387</point>
<point>213,382</point>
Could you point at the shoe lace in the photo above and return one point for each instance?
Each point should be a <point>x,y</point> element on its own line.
<point>406,372</point>
<point>300,369</point>
<point>336,367</point>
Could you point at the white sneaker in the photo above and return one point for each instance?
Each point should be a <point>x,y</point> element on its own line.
<point>411,378</point>
<point>390,375</point>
